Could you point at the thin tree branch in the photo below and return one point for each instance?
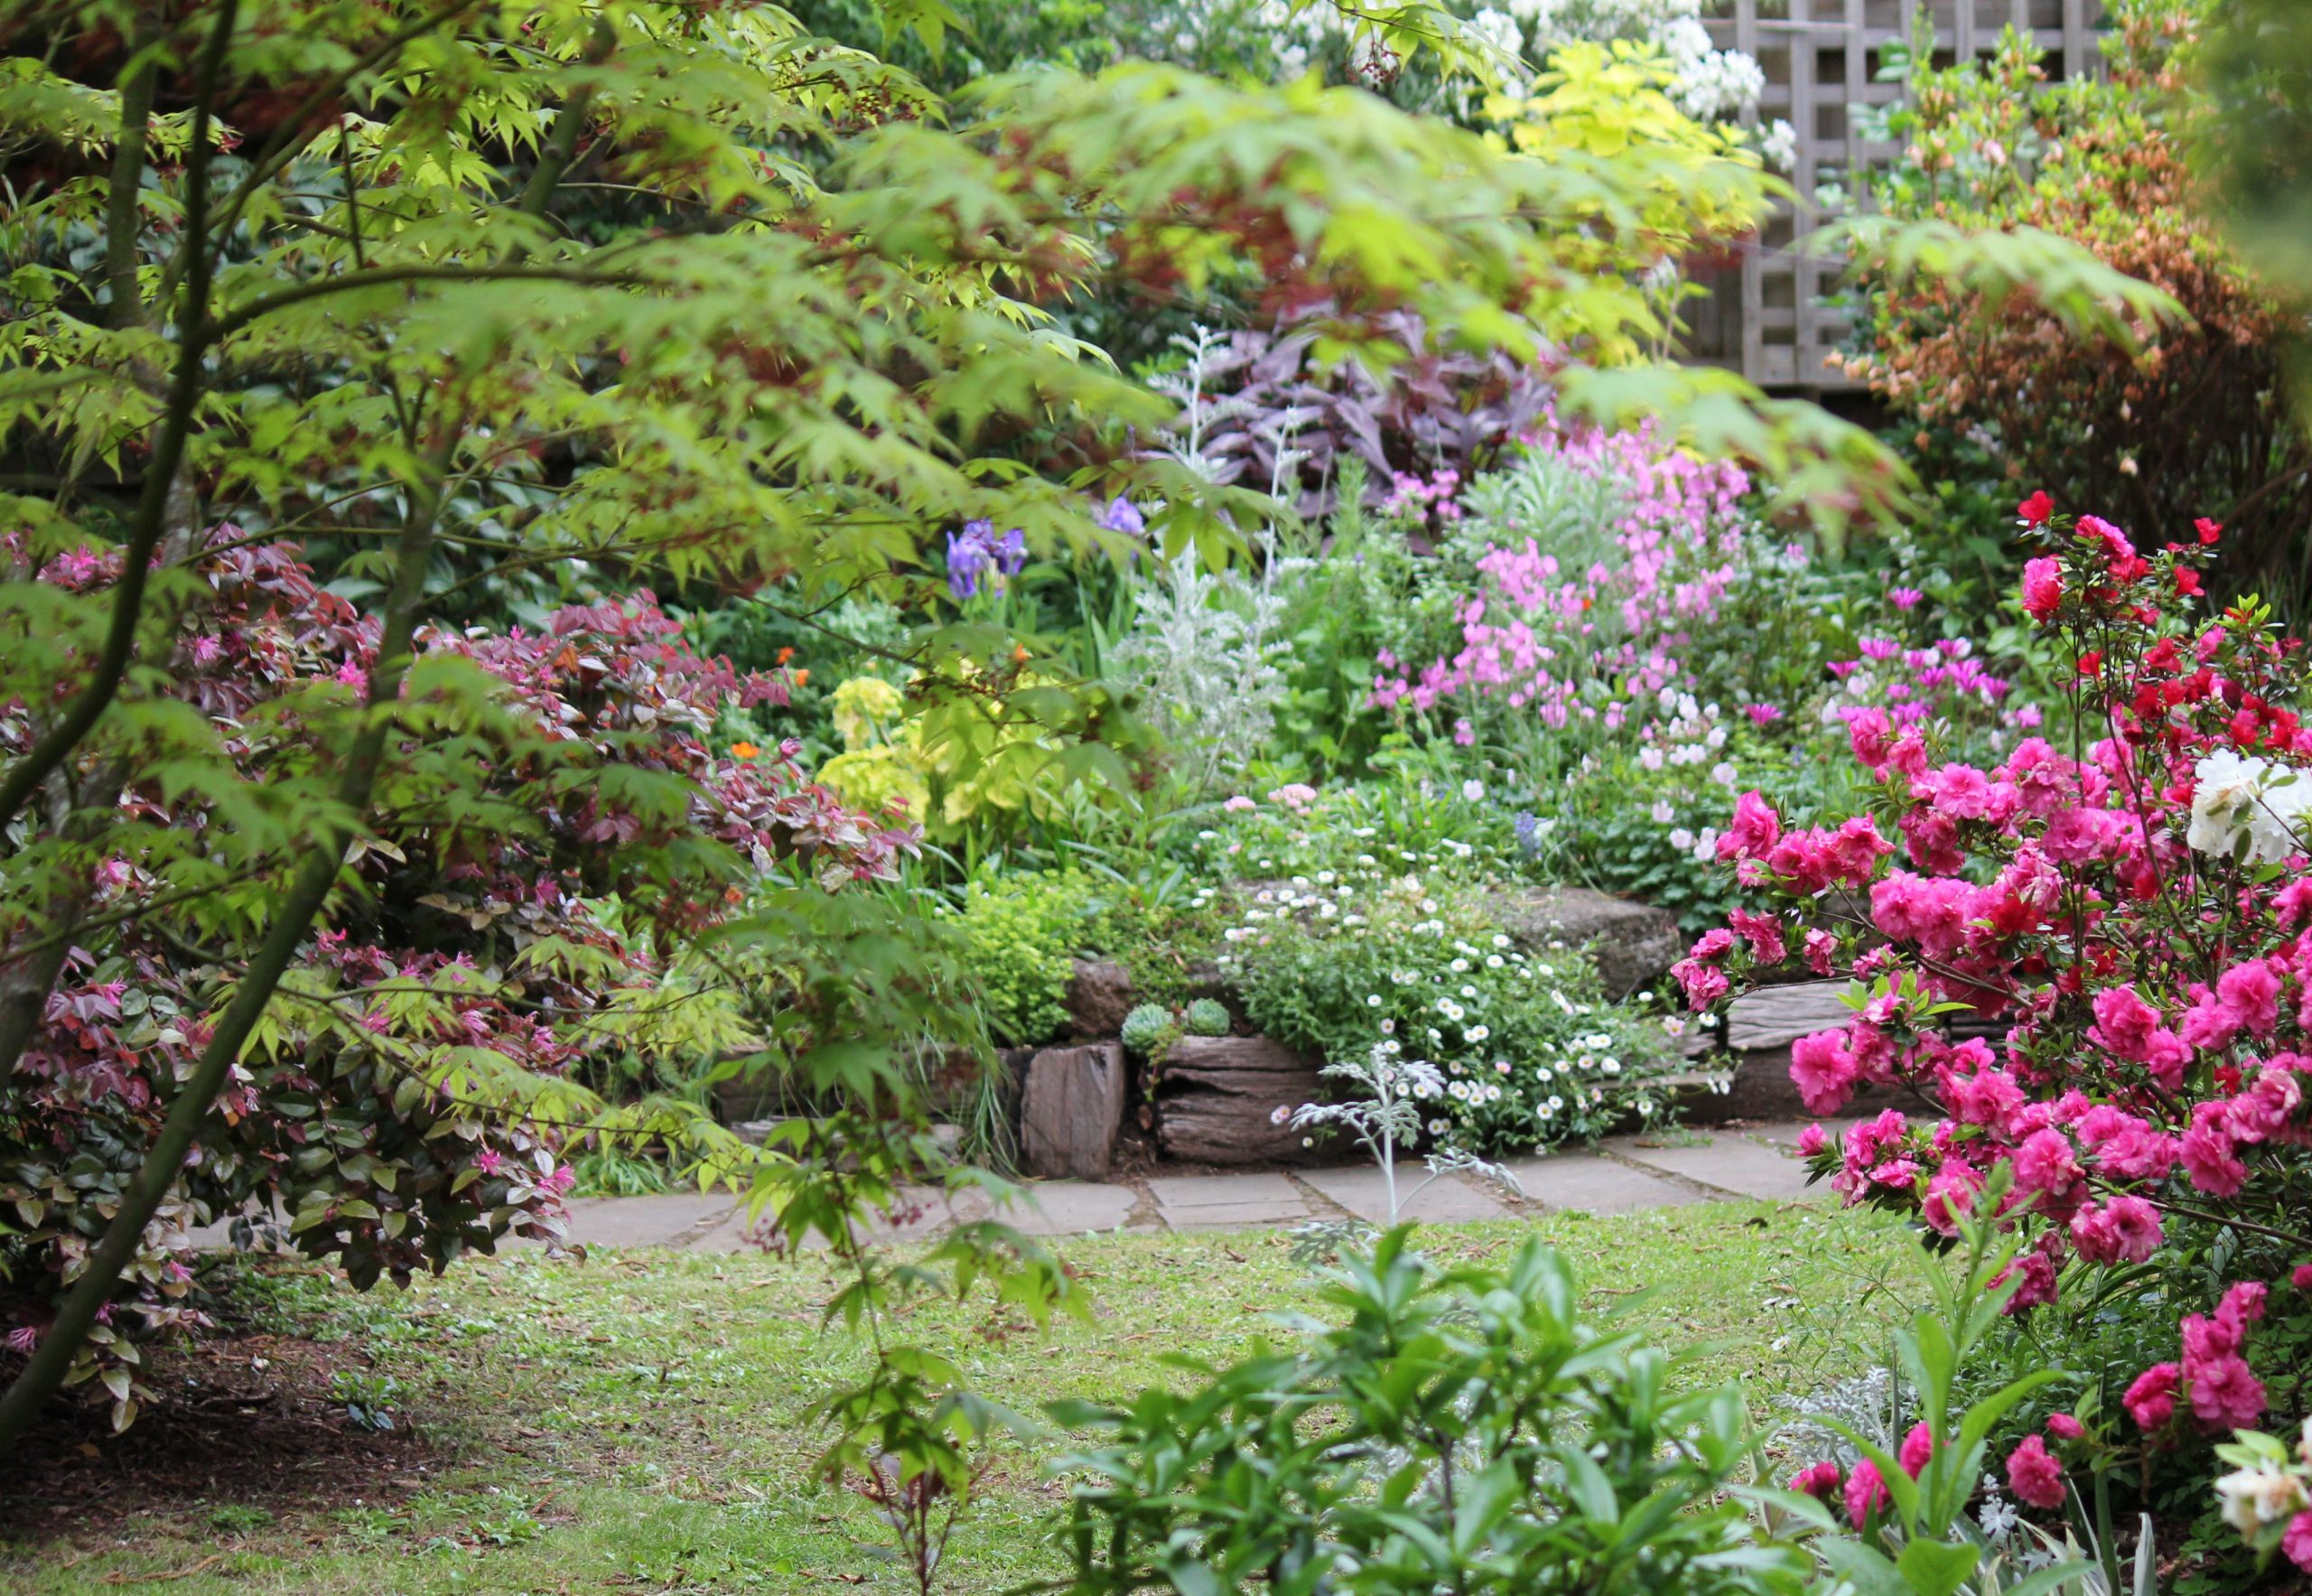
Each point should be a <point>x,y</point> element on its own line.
<point>234,321</point>
<point>122,194</point>
<point>81,716</point>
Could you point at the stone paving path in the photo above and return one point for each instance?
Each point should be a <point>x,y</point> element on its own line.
<point>1624,1175</point>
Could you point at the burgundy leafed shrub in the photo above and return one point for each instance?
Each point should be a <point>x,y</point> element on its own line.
<point>561,824</point>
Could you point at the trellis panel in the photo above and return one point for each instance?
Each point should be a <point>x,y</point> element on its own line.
<point>1765,315</point>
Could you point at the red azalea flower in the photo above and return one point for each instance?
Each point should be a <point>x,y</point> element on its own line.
<point>2035,510</point>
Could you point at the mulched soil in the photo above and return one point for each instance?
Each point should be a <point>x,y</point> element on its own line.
<point>245,1419</point>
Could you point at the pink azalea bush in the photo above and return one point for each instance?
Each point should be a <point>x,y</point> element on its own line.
<point>2132,905</point>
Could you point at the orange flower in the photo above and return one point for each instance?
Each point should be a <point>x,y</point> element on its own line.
<point>802,678</point>
<point>1019,654</point>
<point>745,750</point>
<point>784,655</point>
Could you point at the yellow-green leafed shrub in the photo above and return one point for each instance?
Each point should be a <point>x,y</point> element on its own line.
<point>960,758</point>
<point>1020,932</point>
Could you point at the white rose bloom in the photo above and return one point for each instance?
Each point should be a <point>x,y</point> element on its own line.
<point>2232,794</point>
<point>2264,1494</point>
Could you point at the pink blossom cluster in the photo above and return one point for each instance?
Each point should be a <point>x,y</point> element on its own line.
<point>2145,980</point>
<point>1944,680</point>
<point>1538,634</point>
<point>2033,1473</point>
<point>1432,500</point>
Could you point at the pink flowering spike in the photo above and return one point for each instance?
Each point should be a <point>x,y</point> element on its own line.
<point>1754,830</point>
<point>2125,1230</point>
<point>2150,1399</point>
<point>2034,1475</point>
<point>1918,1449</point>
<point>2225,1393</point>
<point>2295,1541</point>
<point>1951,1196</point>
<point>1704,983</point>
<point>2042,589</point>
<point>1820,1480</point>
<point>2244,1304</point>
<point>1822,1067</point>
<point>1866,1493</point>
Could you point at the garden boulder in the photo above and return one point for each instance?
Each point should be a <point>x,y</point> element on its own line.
<point>1636,943</point>
<point>1071,1109</point>
<point>1760,1026</point>
<point>1217,1099</point>
<point>1099,995</point>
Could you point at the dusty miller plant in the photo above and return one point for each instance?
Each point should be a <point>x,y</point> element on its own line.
<point>1386,1116</point>
<point>1198,434</point>
<point>1206,656</point>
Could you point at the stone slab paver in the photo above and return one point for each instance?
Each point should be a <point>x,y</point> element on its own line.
<point>1049,1208</point>
<point>668,1219</point>
<point>1725,1161</point>
<point>1219,1203</point>
<point>1630,1175</point>
<point>1237,1216</point>
<point>1070,1208</point>
<point>1363,1192</point>
<point>1592,1184</point>
<point>1785,1133</point>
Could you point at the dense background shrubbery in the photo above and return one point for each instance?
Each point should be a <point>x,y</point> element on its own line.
<point>2181,422</point>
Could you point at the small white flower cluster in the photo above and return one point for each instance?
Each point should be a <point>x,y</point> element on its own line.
<point>1778,144</point>
<point>1709,84</point>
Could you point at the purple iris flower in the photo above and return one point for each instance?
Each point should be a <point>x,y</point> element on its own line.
<point>1012,554</point>
<point>976,556</point>
<point>967,561</point>
<point>1123,516</point>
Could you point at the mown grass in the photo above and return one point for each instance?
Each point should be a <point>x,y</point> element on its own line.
<point>634,1423</point>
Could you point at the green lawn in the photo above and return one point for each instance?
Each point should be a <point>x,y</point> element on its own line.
<point>631,1423</point>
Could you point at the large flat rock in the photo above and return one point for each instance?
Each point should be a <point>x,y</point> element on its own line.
<point>1217,1099</point>
<point>1775,1016</point>
<point>1726,1161</point>
<point>1099,995</point>
<point>1636,943</point>
<point>1227,1202</point>
<point>1363,1192</point>
<point>1588,1183</point>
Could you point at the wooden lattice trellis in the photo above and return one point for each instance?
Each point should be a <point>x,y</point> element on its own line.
<point>1765,316</point>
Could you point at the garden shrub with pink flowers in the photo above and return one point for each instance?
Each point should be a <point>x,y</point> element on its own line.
<point>2131,901</point>
<point>521,916</point>
<point>1609,630</point>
